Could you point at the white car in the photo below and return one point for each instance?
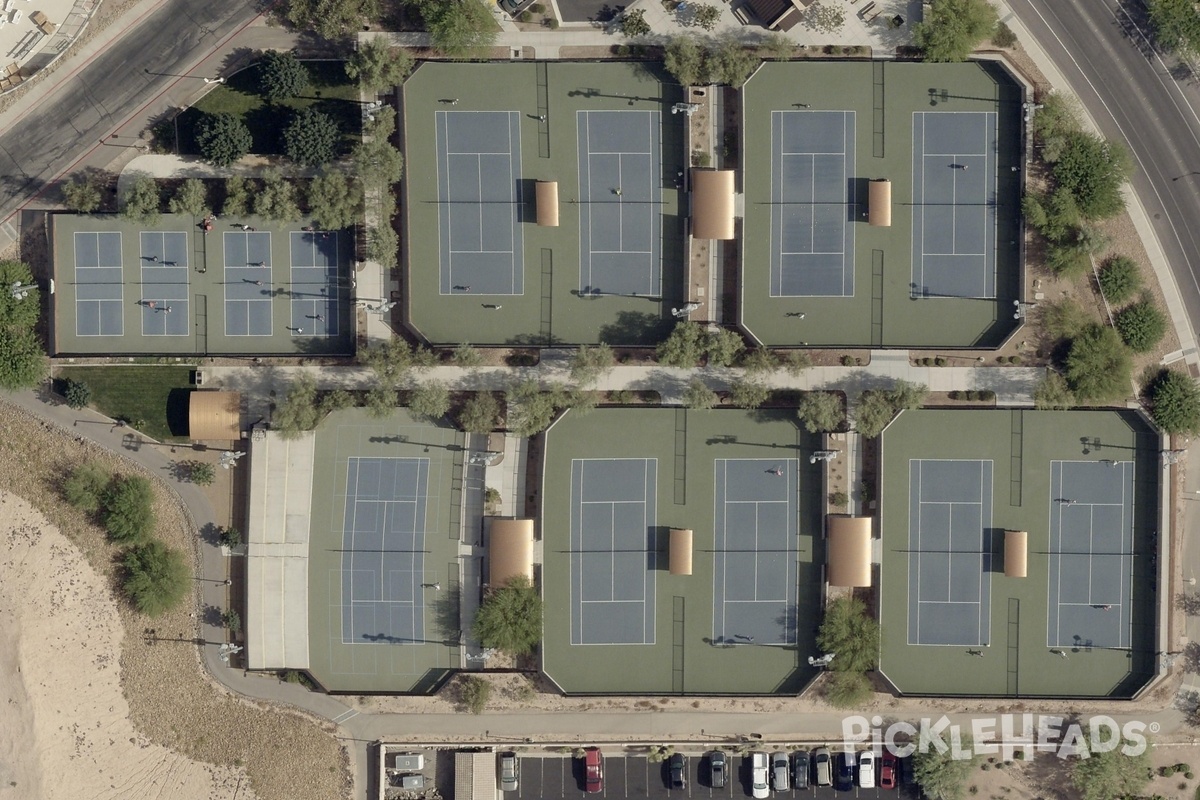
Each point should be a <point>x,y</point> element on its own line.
<point>758,776</point>
<point>866,769</point>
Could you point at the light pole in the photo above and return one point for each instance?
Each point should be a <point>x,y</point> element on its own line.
<point>20,291</point>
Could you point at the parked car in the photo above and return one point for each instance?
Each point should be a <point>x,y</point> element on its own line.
<point>866,769</point>
<point>515,7</point>
<point>509,772</point>
<point>887,771</point>
<point>593,770</point>
<point>823,765</point>
<point>758,776</point>
<point>678,771</point>
<point>779,772</point>
<point>844,781</point>
<point>800,764</point>
<point>716,769</point>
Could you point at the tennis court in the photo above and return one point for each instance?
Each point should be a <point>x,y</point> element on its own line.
<point>755,581</point>
<point>620,221</point>
<point>1091,554</point>
<point>383,560</point>
<point>954,204</point>
<point>165,292</point>
<point>315,283</point>
<point>950,552</point>
<point>812,194</point>
<point>479,170</point>
<point>249,288</point>
<point>99,284</point>
<point>613,550</point>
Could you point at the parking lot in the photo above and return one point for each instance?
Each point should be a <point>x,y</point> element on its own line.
<point>550,777</point>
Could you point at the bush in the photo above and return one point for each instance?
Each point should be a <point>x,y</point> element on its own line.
<point>84,488</point>
<point>1053,393</point>
<point>1093,170</point>
<point>939,362</point>
<point>1141,325</point>
<point>1064,319</point>
<point>232,620</point>
<point>466,356</point>
<point>847,689</point>
<point>729,63</point>
<point>430,400</point>
<point>1120,279</point>
<point>480,413</point>
<point>311,139</point>
<point>1175,402</point>
<point>510,618</point>
<point>748,393</point>
<point>230,537</point>
<point>723,346</point>
<point>128,511</point>
<point>821,412</point>
<point>698,397</point>
<point>82,194</point>
<point>848,361</point>
<point>1098,365</point>
<point>223,139</point>
<point>633,23</point>
<point>839,499</point>
<point>849,630</point>
<point>684,347</point>
<point>77,393</point>
<point>156,577</point>
<point>281,75</point>
<point>1003,36</point>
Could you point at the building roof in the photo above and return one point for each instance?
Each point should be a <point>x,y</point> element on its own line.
<point>510,550</point>
<point>879,203</point>
<point>546,193</point>
<point>681,552</point>
<point>848,550</point>
<point>215,415</point>
<point>1016,554</point>
<point>712,203</point>
<point>475,776</point>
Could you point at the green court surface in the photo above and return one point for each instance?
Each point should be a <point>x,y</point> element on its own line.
<point>368,657</point>
<point>128,288</point>
<point>875,296</point>
<point>744,621</point>
<point>479,268</point>
<point>1082,621</point>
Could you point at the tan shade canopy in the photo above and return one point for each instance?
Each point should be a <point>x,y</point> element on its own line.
<point>510,550</point>
<point>215,415</point>
<point>879,203</point>
<point>712,204</point>
<point>546,193</point>
<point>848,549</point>
<point>1016,554</point>
<point>681,552</point>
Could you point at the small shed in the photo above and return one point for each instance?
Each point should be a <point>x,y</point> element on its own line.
<point>509,550</point>
<point>1016,554</point>
<point>215,416</point>
<point>546,194</point>
<point>680,559</point>
<point>848,550</point>
<point>879,203</point>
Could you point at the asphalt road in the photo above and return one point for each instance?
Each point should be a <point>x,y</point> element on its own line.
<point>69,125</point>
<point>1103,50</point>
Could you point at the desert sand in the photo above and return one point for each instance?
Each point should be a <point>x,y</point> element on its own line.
<point>65,730</point>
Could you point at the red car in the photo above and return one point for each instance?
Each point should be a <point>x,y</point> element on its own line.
<point>887,770</point>
<point>593,770</point>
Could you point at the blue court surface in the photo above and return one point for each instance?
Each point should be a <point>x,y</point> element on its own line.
<point>383,556</point>
<point>620,188</point>
<point>613,550</point>
<point>755,581</point>
<point>950,552</point>
<point>314,283</point>
<point>479,202</point>
<point>954,204</point>
<point>99,284</point>
<point>166,309</point>
<point>812,197</point>
<point>1091,554</point>
<point>248,286</point>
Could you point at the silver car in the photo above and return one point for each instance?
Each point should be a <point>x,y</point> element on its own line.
<point>509,772</point>
<point>779,772</point>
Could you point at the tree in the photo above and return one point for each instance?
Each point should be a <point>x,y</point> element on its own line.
<point>382,244</point>
<point>1098,365</point>
<point>15,312</point>
<point>724,346</point>
<point>128,509</point>
<point>705,16</point>
<point>1176,25</point>
<point>230,537</point>
<point>380,401</point>
<point>23,362</point>
<point>748,393</point>
<point>1175,402</point>
<point>223,138</point>
<point>851,633</point>
<point>480,413</point>
<point>824,18</point>
<point>952,29</point>
<point>530,410</point>
<point>591,362</point>
<point>1093,169</point>
<point>847,689</point>
<point>276,199</point>
<point>394,359</point>
<point>1053,393</point>
<point>156,577</point>
<point>1003,36</point>
<point>633,24</point>
<point>334,201</point>
<point>82,193</point>
<point>84,487</point>
<point>684,347</point>
<point>237,197</point>
<point>698,397</point>
<point>759,361</point>
<point>941,775</point>
<point>1064,319</point>
<point>142,201</point>
<point>1120,279</point>
<point>311,138</point>
<point>510,618</point>
<point>475,692</point>
<point>776,45</point>
<point>190,198</point>
<point>430,400</point>
<point>77,393</point>
<point>281,75</point>
<point>795,362</point>
<point>684,59</point>
<point>874,413</point>
<point>378,66</point>
<point>1141,325</point>
<point>1112,774</point>
<point>466,356</point>
<point>821,412</point>
<point>906,396</point>
<point>730,63</point>
<point>377,162</point>
<point>461,29</point>
<point>202,473</point>
<point>299,410</point>
<point>232,620</point>
<point>332,19</point>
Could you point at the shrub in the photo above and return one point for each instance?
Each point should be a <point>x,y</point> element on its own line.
<point>480,413</point>
<point>128,511</point>
<point>230,537</point>
<point>82,194</point>
<point>748,393</point>
<point>839,499</point>
<point>77,393</point>
<point>633,23</point>
<point>939,361</point>
<point>1053,393</point>
<point>1141,325</point>
<point>232,620</point>
<point>1093,169</point>
<point>1003,36</point>
<point>1098,365</point>
<point>430,400</point>
<point>510,618</point>
<point>84,488</point>
<point>475,693</point>
<point>848,361</point>
<point>849,630</point>
<point>698,396</point>
<point>202,473</point>
<point>1175,402</point>
<point>157,577</point>
<point>1120,279</point>
<point>847,689</point>
<point>723,346</point>
<point>821,412</point>
<point>684,347</point>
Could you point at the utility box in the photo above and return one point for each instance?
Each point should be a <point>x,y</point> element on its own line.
<point>409,762</point>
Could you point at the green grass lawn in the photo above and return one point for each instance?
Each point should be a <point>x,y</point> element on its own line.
<point>329,90</point>
<point>155,396</point>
